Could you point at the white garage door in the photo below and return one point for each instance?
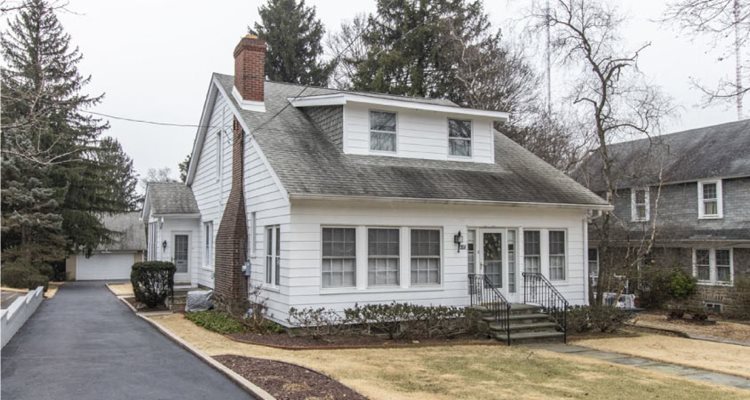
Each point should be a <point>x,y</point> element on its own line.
<point>104,266</point>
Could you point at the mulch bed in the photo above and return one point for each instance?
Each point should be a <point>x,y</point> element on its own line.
<point>288,381</point>
<point>284,341</point>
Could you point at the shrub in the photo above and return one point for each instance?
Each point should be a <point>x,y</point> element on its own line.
<point>217,321</point>
<point>681,285</point>
<point>660,286</point>
<point>578,319</point>
<point>152,282</point>
<point>23,277</point>
<point>316,322</point>
<point>404,320</point>
<point>599,318</point>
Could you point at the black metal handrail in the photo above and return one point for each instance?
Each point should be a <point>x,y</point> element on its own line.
<point>484,293</point>
<point>540,291</point>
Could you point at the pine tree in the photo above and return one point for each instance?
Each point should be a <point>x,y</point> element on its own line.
<point>50,142</point>
<point>119,169</point>
<point>293,36</point>
<point>184,166</point>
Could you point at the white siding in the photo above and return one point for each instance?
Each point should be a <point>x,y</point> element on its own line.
<point>301,256</point>
<point>420,134</point>
<point>211,191</point>
<point>166,231</point>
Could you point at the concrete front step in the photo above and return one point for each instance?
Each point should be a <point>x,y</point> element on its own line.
<point>530,337</point>
<point>532,327</point>
<point>521,318</point>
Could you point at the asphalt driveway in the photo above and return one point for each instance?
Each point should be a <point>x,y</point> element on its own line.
<point>85,344</point>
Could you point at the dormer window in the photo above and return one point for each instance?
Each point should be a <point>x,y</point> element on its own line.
<point>640,204</point>
<point>383,131</point>
<point>709,199</point>
<point>459,138</point>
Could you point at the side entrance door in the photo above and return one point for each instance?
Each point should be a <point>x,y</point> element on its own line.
<point>181,257</point>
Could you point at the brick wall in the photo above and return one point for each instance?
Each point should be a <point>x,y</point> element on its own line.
<point>249,67</point>
<point>230,286</point>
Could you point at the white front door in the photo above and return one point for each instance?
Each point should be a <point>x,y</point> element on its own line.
<point>181,257</point>
<point>497,259</point>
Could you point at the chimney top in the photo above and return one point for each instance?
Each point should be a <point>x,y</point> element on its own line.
<point>249,72</point>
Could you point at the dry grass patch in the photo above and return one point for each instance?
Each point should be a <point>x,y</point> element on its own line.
<point>52,289</point>
<point>721,330</point>
<point>121,289</point>
<point>720,357</point>
<point>463,372</point>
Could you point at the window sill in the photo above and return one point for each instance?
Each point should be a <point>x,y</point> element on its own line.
<point>271,288</point>
<point>390,289</point>
<point>715,283</point>
<point>711,217</point>
<point>639,220</point>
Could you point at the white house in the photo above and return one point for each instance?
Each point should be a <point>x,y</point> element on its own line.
<point>334,197</point>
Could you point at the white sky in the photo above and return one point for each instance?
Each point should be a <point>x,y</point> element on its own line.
<point>153,59</point>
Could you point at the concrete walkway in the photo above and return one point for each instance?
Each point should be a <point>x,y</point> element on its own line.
<point>85,344</point>
<point>695,374</point>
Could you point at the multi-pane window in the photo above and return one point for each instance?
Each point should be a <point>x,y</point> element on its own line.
<point>703,264</point>
<point>459,137</point>
<point>383,257</point>
<point>208,243</point>
<point>339,257</point>
<point>709,196</point>
<point>511,260</point>
<point>425,256</point>
<point>640,204</point>
<point>723,266</point>
<point>593,262</point>
<point>557,255</point>
<point>273,254</point>
<point>471,253</point>
<point>382,131</point>
<point>532,251</point>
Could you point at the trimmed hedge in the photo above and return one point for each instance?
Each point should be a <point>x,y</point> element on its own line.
<point>153,282</point>
<point>23,277</point>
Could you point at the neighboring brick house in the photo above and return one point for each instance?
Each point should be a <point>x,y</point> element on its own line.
<point>694,188</point>
<point>327,198</point>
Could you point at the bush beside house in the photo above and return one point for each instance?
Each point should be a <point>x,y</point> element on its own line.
<point>153,282</point>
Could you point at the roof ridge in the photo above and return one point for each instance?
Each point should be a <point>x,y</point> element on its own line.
<point>686,131</point>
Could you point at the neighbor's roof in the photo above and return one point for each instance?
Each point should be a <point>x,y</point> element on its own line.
<point>718,151</point>
<point>308,164</point>
<point>170,198</point>
<point>128,232</point>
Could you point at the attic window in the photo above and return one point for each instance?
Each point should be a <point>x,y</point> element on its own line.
<point>459,138</point>
<point>709,199</point>
<point>383,131</point>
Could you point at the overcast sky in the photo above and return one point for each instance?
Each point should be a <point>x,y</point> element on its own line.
<point>154,59</point>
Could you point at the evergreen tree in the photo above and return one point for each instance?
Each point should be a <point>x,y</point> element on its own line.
<point>50,143</point>
<point>184,166</point>
<point>123,179</point>
<point>293,35</point>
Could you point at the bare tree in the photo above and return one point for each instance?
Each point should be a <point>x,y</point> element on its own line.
<point>610,95</point>
<point>727,24</point>
<point>157,175</point>
<point>351,50</point>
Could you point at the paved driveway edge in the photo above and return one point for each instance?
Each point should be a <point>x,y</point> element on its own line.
<point>243,383</point>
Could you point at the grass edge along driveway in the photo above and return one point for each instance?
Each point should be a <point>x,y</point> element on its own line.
<point>463,372</point>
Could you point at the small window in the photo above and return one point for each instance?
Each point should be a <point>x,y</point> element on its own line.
<point>709,199</point>
<point>208,244</point>
<point>723,266</point>
<point>339,257</point>
<point>532,251</point>
<point>556,255</point>
<point>383,257</point>
<point>273,254</point>
<point>425,256</point>
<point>219,155</point>
<point>382,131</point>
<point>593,262</point>
<point>703,264</point>
<point>459,138</point>
<point>640,204</point>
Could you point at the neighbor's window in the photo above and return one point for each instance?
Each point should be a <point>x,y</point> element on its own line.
<point>208,244</point>
<point>703,264</point>
<point>593,262</point>
<point>713,265</point>
<point>273,254</point>
<point>723,266</point>
<point>709,196</point>
<point>557,255</point>
<point>640,204</point>
<point>425,256</point>
<point>383,257</point>
<point>339,257</point>
<point>382,131</point>
<point>459,137</point>
<point>532,251</point>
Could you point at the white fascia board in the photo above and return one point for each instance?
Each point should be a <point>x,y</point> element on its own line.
<point>208,106</point>
<point>344,98</point>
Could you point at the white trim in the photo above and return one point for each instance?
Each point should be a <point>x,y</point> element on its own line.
<point>333,197</point>
<point>370,131</point>
<point>712,267</point>
<point>719,200</point>
<point>275,233</point>
<point>172,255</point>
<point>357,258</point>
<point>208,105</point>
<point>248,105</point>
<point>633,205</point>
<point>344,98</point>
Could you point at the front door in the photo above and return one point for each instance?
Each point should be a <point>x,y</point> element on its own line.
<point>492,257</point>
<point>180,257</point>
<point>496,257</point>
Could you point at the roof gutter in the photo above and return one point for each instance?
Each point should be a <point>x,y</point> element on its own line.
<point>328,197</point>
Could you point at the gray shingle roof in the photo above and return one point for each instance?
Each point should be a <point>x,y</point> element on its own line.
<point>171,198</point>
<point>710,152</point>
<point>128,232</point>
<point>308,163</point>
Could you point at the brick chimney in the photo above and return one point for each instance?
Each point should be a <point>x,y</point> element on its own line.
<point>249,72</point>
<point>230,284</point>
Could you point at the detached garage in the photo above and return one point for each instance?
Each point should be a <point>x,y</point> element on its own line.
<point>112,260</point>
